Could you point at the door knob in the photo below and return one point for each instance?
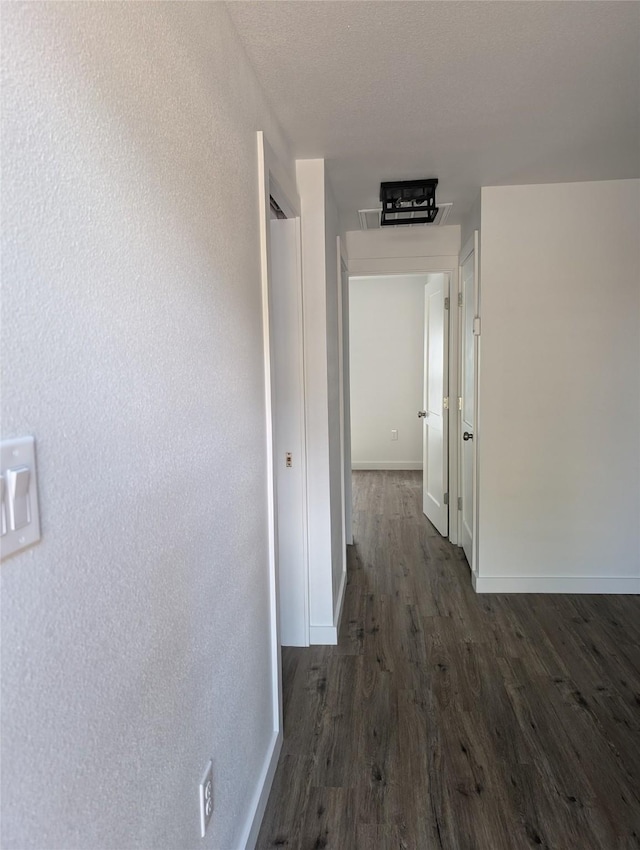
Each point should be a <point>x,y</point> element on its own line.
<point>467,436</point>
<point>422,414</point>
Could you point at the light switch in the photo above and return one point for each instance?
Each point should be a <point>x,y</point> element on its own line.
<point>3,515</point>
<point>20,514</point>
<point>18,487</point>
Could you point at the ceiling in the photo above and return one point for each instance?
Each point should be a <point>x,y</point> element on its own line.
<point>474,93</point>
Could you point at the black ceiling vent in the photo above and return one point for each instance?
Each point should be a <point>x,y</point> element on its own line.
<point>408,202</point>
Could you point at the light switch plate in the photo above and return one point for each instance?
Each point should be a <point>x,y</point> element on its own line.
<point>17,454</point>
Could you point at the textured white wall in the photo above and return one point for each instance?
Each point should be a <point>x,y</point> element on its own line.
<point>321,329</point>
<point>136,634</point>
<point>559,466</point>
<point>386,318</point>
<point>310,181</point>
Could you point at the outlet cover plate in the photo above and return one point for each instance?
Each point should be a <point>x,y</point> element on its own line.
<point>206,799</point>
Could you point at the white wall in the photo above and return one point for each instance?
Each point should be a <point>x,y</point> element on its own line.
<point>335,387</point>
<point>402,250</point>
<point>559,466</point>
<point>387,354</point>
<point>136,634</point>
<point>319,266</point>
<point>472,221</point>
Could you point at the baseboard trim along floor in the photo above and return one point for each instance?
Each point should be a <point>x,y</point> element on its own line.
<point>263,789</point>
<point>555,584</point>
<point>328,635</point>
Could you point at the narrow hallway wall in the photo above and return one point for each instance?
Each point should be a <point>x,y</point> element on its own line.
<point>559,455</point>
<point>136,635</point>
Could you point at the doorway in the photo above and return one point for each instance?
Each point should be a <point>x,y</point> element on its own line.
<point>399,337</point>
<point>275,183</point>
<point>288,417</point>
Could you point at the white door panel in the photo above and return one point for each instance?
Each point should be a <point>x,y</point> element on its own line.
<point>434,427</point>
<point>468,408</point>
<point>285,310</point>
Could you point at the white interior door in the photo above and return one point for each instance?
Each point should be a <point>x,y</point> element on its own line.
<point>468,405</point>
<point>285,319</point>
<point>435,458</point>
<point>346,401</point>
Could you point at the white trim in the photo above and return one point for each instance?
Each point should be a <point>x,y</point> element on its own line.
<point>555,584</point>
<point>441,264</point>
<point>440,515</point>
<point>341,594</point>
<point>272,179</point>
<point>328,635</point>
<point>323,636</point>
<point>477,434</point>
<point>471,249</point>
<point>303,434</point>
<point>346,384</point>
<point>458,394</point>
<point>453,390</point>
<point>372,266</point>
<point>387,464</point>
<point>341,367</point>
<point>261,794</point>
<point>276,663</point>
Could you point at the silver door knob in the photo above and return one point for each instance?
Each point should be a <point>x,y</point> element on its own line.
<point>467,436</point>
<point>422,414</point>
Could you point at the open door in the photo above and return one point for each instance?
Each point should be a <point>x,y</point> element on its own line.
<point>285,319</point>
<point>435,457</point>
<point>469,309</point>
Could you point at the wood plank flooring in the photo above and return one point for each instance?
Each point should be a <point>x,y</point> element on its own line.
<point>453,721</point>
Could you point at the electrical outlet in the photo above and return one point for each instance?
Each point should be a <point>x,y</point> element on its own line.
<point>394,434</point>
<point>206,799</point>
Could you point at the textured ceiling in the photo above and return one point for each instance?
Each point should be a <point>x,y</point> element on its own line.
<point>474,93</point>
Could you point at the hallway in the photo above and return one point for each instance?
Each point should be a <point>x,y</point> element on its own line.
<point>445,719</point>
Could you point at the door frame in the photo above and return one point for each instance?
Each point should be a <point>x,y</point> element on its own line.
<point>472,246</point>
<point>449,265</point>
<point>286,326</point>
<point>273,181</point>
<point>345,400</point>
<point>446,389</point>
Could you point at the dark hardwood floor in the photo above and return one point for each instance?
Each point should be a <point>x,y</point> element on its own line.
<point>453,721</point>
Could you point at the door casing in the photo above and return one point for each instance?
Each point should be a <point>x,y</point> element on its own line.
<point>447,265</point>
<point>470,249</point>
<point>435,413</point>
<point>273,181</point>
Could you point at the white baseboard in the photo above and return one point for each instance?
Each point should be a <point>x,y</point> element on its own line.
<point>554,584</point>
<point>388,464</point>
<point>259,801</point>
<point>323,636</point>
<point>343,587</point>
<point>328,635</point>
